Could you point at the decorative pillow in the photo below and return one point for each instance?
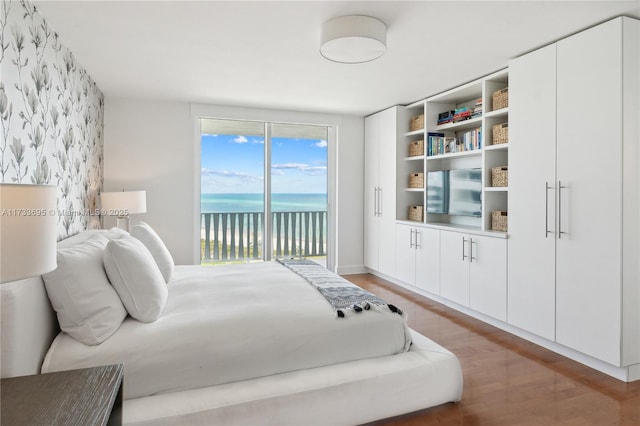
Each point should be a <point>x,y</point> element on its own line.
<point>159,251</point>
<point>87,306</point>
<point>116,232</point>
<point>136,277</point>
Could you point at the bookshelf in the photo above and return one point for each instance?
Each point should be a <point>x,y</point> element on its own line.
<point>458,134</point>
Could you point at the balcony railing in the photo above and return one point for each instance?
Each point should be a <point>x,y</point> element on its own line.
<point>238,235</point>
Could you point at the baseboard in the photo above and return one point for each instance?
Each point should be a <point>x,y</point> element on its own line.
<point>625,374</point>
<point>351,269</point>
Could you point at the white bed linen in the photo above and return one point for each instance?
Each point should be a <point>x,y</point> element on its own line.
<point>230,323</point>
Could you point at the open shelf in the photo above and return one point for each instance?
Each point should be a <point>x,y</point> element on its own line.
<point>476,96</point>
<point>473,153</point>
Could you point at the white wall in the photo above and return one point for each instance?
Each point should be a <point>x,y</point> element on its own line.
<point>149,146</point>
<point>350,196</point>
<point>153,146</point>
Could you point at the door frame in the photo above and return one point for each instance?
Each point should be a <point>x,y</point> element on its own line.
<point>332,123</point>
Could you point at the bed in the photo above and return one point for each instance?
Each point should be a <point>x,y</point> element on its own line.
<point>242,344</point>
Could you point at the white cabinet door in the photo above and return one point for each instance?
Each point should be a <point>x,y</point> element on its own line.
<point>405,253</point>
<point>428,260</point>
<point>488,276</point>
<point>531,248</point>
<point>387,172</point>
<point>589,155</point>
<point>371,183</point>
<point>454,267</point>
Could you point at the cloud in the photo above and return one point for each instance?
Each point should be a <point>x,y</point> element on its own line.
<point>310,170</point>
<point>224,173</point>
<point>240,139</point>
<point>256,141</point>
<point>321,144</point>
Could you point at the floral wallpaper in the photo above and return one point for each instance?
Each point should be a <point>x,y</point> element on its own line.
<point>51,117</point>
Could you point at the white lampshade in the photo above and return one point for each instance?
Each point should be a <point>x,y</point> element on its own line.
<point>122,204</point>
<point>353,39</point>
<point>28,222</point>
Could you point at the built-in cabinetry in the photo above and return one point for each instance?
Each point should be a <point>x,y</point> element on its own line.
<point>565,274</point>
<point>473,272</point>
<point>574,216</point>
<point>418,256</point>
<point>461,145</point>
<point>381,133</point>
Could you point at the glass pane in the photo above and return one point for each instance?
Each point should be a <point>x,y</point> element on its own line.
<point>299,191</point>
<point>232,190</point>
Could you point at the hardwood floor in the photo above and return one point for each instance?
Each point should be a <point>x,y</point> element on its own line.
<point>508,380</point>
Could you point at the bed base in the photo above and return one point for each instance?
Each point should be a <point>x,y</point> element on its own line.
<point>349,393</point>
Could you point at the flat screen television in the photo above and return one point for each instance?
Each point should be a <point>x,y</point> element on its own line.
<point>455,192</point>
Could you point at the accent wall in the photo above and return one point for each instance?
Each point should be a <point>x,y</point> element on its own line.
<point>52,117</point>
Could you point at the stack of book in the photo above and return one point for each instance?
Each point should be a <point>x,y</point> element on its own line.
<point>438,144</point>
<point>435,143</point>
<point>477,109</point>
<point>470,140</point>
<point>461,114</point>
<point>445,117</point>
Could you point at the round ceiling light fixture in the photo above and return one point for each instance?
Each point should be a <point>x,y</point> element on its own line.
<point>353,39</point>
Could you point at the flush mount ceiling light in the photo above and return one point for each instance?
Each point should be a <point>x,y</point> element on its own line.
<point>353,39</point>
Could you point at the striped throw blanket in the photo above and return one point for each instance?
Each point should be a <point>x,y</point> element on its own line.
<point>344,297</point>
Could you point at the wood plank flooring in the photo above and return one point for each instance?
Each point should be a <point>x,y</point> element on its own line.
<point>507,380</point>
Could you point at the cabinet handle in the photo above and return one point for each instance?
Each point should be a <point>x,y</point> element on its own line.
<point>416,243</point>
<point>410,238</point>
<point>560,188</point>
<point>375,201</point>
<point>471,251</point>
<point>464,240</point>
<point>379,201</point>
<point>546,209</point>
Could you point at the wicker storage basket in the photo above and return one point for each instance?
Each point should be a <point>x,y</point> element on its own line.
<point>417,123</point>
<point>501,99</point>
<point>500,133</point>
<point>499,220</point>
<point>416,180</point>
<point>500,176</point>
<point>416,213</point>
<point>416,148</point>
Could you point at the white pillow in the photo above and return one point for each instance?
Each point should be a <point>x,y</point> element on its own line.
<point>136,277</point>
<point>159,251</point>
<point>87,306</point>
<point>116,232</point>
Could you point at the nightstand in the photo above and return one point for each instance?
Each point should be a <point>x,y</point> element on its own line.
<point>89,396</point>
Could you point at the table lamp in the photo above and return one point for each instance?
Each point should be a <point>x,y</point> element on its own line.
<point>122,204</point>
<point>28,221</point>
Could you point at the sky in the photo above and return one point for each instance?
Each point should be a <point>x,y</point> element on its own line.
<point>235,164</point>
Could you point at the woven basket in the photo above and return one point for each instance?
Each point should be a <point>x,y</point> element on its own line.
<point>416,148</point>
<point>501,99</point>
<point>417,123</point>
<point>416,180</point>
<point>500,133</point>
<point>500,176</point>
<point>499,220</point>
<point>416,213</point>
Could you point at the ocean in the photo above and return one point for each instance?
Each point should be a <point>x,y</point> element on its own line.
<point>233,203</point>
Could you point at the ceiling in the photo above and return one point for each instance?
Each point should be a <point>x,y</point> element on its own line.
<point>265,54</point>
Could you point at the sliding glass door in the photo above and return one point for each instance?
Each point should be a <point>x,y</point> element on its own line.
<point>263,191</point>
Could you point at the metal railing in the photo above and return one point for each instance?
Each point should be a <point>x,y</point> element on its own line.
<point>238,235</point>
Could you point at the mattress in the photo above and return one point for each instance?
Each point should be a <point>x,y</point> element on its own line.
<point>230,323</point>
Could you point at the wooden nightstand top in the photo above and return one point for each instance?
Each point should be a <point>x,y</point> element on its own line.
<point>76,397</point>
